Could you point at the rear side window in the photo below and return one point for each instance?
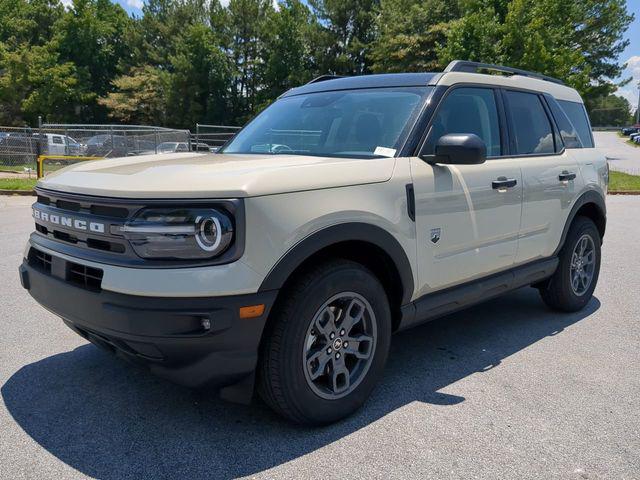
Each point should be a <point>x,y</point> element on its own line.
<point>57,140</point>
<point>568,132</point>
<point>532,130</point>
<point>578,116</point>
<point>468,110</point>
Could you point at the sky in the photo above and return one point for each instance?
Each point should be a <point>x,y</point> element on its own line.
<point>631,55</point>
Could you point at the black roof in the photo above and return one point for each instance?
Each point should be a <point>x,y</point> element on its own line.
<point>326,83</point>
<point>363,81</point>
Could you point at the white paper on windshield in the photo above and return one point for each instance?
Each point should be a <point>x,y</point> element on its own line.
<point>384,151</point>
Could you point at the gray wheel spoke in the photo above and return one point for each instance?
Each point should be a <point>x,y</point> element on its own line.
<point>326,322</point>
<point>360,346</point>
<point>352,315</point>
<point>340,377</point>
<point>317,363</point>
<point>588,258</point>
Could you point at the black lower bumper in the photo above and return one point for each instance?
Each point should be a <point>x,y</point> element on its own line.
<point>169,335</point>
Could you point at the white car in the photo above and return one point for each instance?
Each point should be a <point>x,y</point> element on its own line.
<point>57,144</point>
<point>349,209</point>
<point>172,147</point>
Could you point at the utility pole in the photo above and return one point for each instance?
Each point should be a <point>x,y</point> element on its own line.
<point>638,107</point>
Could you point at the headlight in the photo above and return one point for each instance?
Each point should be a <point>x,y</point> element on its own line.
<point>179,233</point>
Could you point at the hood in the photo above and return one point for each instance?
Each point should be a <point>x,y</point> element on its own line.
<point>193,175</point>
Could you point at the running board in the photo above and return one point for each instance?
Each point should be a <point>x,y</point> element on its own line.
<point>437,304</point>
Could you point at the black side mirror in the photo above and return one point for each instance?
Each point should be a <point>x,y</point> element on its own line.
<point>459,149</point>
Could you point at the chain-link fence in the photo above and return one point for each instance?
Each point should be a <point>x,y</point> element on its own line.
<point>18,149</point>
<point>212,137</point>
<point>21,147</point>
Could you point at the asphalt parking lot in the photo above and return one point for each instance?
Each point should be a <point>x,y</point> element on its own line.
<point>507,389</point>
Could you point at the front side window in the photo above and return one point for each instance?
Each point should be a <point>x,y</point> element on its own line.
<point>468,110</point>
<point>578,116</point>
<point>532,129</point>
<point>363,123</point>
<point>57,140</point>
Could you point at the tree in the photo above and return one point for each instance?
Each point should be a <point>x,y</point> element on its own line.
<point>91,34</point>
<point>287,49</point>
<point>139,98</point>
<point>409,33</point>
<point>199,80</point>
<point>344,34</point>
<point>609,111</point>
<point>243,39</point>
<point>28,22</point>
<point>33,80</point>
<point>575,40</point>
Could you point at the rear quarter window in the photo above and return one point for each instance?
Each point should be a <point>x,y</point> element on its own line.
<point>578,116</point>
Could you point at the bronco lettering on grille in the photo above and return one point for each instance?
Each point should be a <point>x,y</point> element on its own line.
<point>68,222</point>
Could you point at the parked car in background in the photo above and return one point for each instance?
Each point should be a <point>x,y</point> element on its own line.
<point>630,130</point>
<point>108,145</point>
<point>172,147</point>
<point>56,144</point>
<point>201,147</point>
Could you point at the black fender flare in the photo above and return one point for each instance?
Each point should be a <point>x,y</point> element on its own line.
<point>590,196</point>
<point>326,237</point>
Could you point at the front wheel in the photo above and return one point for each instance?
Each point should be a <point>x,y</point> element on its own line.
<point>327,345</point>
<point>571,286</point>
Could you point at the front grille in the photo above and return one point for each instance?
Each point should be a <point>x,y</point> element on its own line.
<point>39,260</point>
<point>86,277</point>
<point>65,208</point>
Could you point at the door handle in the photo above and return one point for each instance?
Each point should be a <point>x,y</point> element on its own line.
<point>502,183</point>
<point>565,176</point>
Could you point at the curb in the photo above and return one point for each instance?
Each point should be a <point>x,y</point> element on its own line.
<point>625,192</point>
<point>17,192</point>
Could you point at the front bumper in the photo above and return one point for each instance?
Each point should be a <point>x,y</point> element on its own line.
<point>169,335</point>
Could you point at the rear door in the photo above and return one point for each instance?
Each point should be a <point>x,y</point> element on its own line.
<point>550,174</point>
<point>467,216</point>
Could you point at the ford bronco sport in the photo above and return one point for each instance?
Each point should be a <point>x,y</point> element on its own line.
<point>349,209</point>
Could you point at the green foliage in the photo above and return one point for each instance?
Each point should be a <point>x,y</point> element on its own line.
<point>609,111</point>
<point>188,61</point>
<point>344,31</point>
<point>140,97</point>
<point>578,41</point>
<point>34,80</point>
<point>410,33</point>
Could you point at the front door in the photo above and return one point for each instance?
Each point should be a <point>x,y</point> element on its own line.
<point>467,216</point>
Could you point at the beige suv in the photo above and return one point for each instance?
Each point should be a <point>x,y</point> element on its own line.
<point>349,209</point>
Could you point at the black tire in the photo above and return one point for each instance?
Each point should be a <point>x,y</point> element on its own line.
<point>558,293</point>
<point>282,380</point>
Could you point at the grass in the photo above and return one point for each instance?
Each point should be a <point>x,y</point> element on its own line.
<point>633,144</point>
<point>16,168</point>
<point>17,183</point>
<point>623,182</point>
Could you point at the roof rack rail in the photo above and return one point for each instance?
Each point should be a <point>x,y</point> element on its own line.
<point>322,78</point>
<point>474,67</point>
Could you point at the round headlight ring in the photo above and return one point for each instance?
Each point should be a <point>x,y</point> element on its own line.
<point>205,225</point>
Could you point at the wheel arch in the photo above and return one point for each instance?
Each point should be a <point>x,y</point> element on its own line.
<point>590,204</point>
<point>367,244</point>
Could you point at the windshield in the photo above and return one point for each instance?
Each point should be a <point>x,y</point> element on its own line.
<point>352,123</point>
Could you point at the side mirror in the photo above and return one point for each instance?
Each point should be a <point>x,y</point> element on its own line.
<point>459,149</point>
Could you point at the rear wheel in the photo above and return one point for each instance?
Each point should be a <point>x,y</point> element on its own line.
<point>571,286</point>
<point>327,345</point>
